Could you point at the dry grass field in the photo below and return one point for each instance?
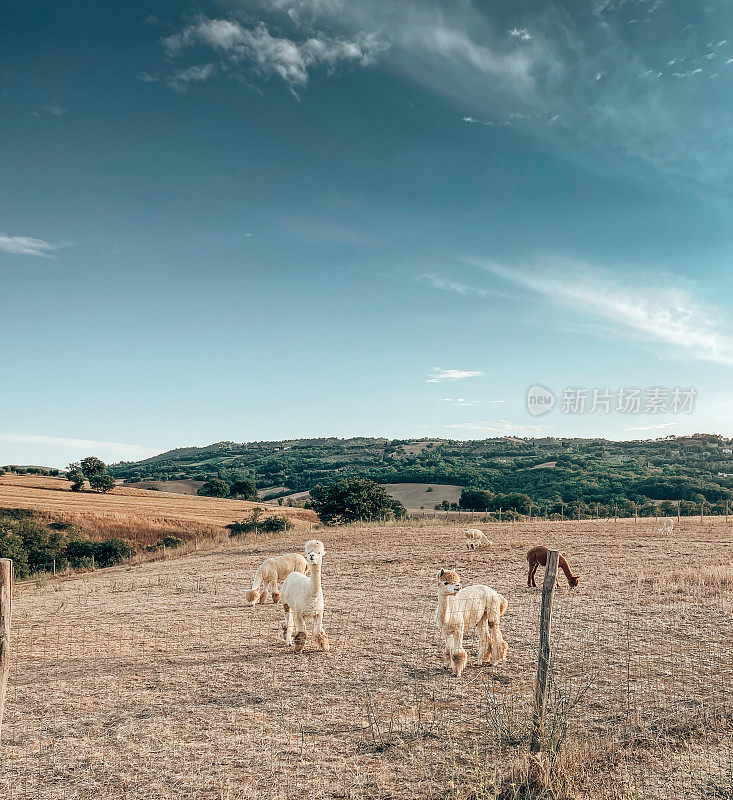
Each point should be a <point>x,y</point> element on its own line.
<point>138,516</point>
<point>156,682</point>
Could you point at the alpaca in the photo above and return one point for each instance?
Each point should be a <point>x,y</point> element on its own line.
<point>459,611</point>
<point>667,526</point>
<point>538,555</point>
<point>476,538</point>
<point>270,572</point>
<point>303,600</point>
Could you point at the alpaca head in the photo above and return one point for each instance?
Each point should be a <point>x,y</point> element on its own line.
<point>314,551</point>
<point>449,582</point>
<point>252,596</point>
<point>573,580</point>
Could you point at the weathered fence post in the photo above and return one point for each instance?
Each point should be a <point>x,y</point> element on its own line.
<point>543,662</point>
<point>6,592</point>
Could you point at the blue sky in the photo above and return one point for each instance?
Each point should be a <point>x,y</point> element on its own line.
<point>282,218</point>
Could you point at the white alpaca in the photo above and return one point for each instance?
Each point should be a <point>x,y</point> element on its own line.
<point>270,572</point>
<point>476,538</point>
<point>303,600</point>
<point>461,610</point>
<point>667,526</point>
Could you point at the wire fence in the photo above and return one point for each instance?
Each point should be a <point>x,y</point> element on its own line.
<point>165,687</point>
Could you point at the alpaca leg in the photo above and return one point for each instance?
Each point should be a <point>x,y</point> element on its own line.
<point>484,646</point>
<point>288,626</point>
<point>263,591</point>
<point>446,657</point>
<point>275,591</point>
<point>532,572</point>
<point>499,646</point>
<point>459,656</point>
<point>321,635</point>
<point>301,633</point>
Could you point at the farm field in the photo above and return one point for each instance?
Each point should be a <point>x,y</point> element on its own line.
<point>156,682</point>
<point>138,516</point>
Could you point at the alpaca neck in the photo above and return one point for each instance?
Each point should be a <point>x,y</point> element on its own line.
<point>315,579</point>
<point>444,608</point>
<point>565,567</point>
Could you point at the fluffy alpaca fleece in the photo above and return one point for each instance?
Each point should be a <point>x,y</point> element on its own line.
<point>538,556</point>
<point>667,526</point>
<point>270,572</point>
<point>461,610</point>
<point>303,600</point>
<point>476,538</point>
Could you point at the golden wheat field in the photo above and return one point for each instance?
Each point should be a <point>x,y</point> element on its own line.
<point>156,681</point>
<point>138,516</point>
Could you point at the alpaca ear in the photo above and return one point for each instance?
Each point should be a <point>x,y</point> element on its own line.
<point>441,573</point>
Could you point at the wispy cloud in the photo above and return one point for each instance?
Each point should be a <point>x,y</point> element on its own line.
<point>656,310</point>
<point>28,246</point>
<point>457,401</point>
<point>659,427</point>
<point>500,427</point>
<point>449,285</point>
<point>439,375</point>
<point>179,79</point>
<point>258,49</point>
<point>88,444</point>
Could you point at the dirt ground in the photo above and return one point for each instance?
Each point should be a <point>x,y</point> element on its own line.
<point>156,682</point>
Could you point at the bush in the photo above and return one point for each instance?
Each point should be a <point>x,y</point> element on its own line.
<point>351,499</point>
<point>215,487</point>
<point>244,489</point>
<point>111,551</point>
<point>272,524</point>
<point>276,523</point>
<point>11,546</point>
<point>171,541</point>
<point>102,483</point>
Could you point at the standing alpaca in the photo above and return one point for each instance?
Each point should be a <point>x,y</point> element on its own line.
<point>476,538</point>
<point>303,600</point>
<point>461,610</point>
<point>667,526</point>
<point>538,555</point>
<point>270,572</point>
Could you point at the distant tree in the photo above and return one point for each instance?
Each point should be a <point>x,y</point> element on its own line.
<point>76,476</point>
<point>92,466</point>
<point>214,487</point>
<point>352,499</point>
<point>476,500</point>
<point>102,483</point>
<point>244,489</point>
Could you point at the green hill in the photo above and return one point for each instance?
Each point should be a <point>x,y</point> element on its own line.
<point>696,468</point>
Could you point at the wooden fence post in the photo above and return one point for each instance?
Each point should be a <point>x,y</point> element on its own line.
<point>543,662</point>
<point>6,592</point>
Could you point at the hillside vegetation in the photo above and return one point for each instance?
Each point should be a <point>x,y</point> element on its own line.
<point>695,469</point>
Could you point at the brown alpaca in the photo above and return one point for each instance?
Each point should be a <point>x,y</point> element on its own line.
<point>538,556</point>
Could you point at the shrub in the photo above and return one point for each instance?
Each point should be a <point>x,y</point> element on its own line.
<point>276,523</point>
<point>102,483</point>
<point>111,551</point>
<point>11,546</point>
<point>171,541</point>
<point>244,489</point>
<point>215,487</point>
<point>272,524</point>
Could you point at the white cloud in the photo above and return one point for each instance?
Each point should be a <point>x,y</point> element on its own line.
<point>27,246</point>
<point>657,310</point>
<point>500,428</point>
<point>256,47</point>
<point>448,285</point>
<point>457,401</point>
<point>659,427</point>
<point>55,110</point>
<point>520,33</point>
<point>438,375</point>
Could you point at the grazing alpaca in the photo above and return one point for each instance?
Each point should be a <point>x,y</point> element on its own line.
<point>303,600</point>
<point>270,572</point>
<point>459,611</point>
<point>667,526</point>
<point>537,556</point>
<point>476,538</point>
